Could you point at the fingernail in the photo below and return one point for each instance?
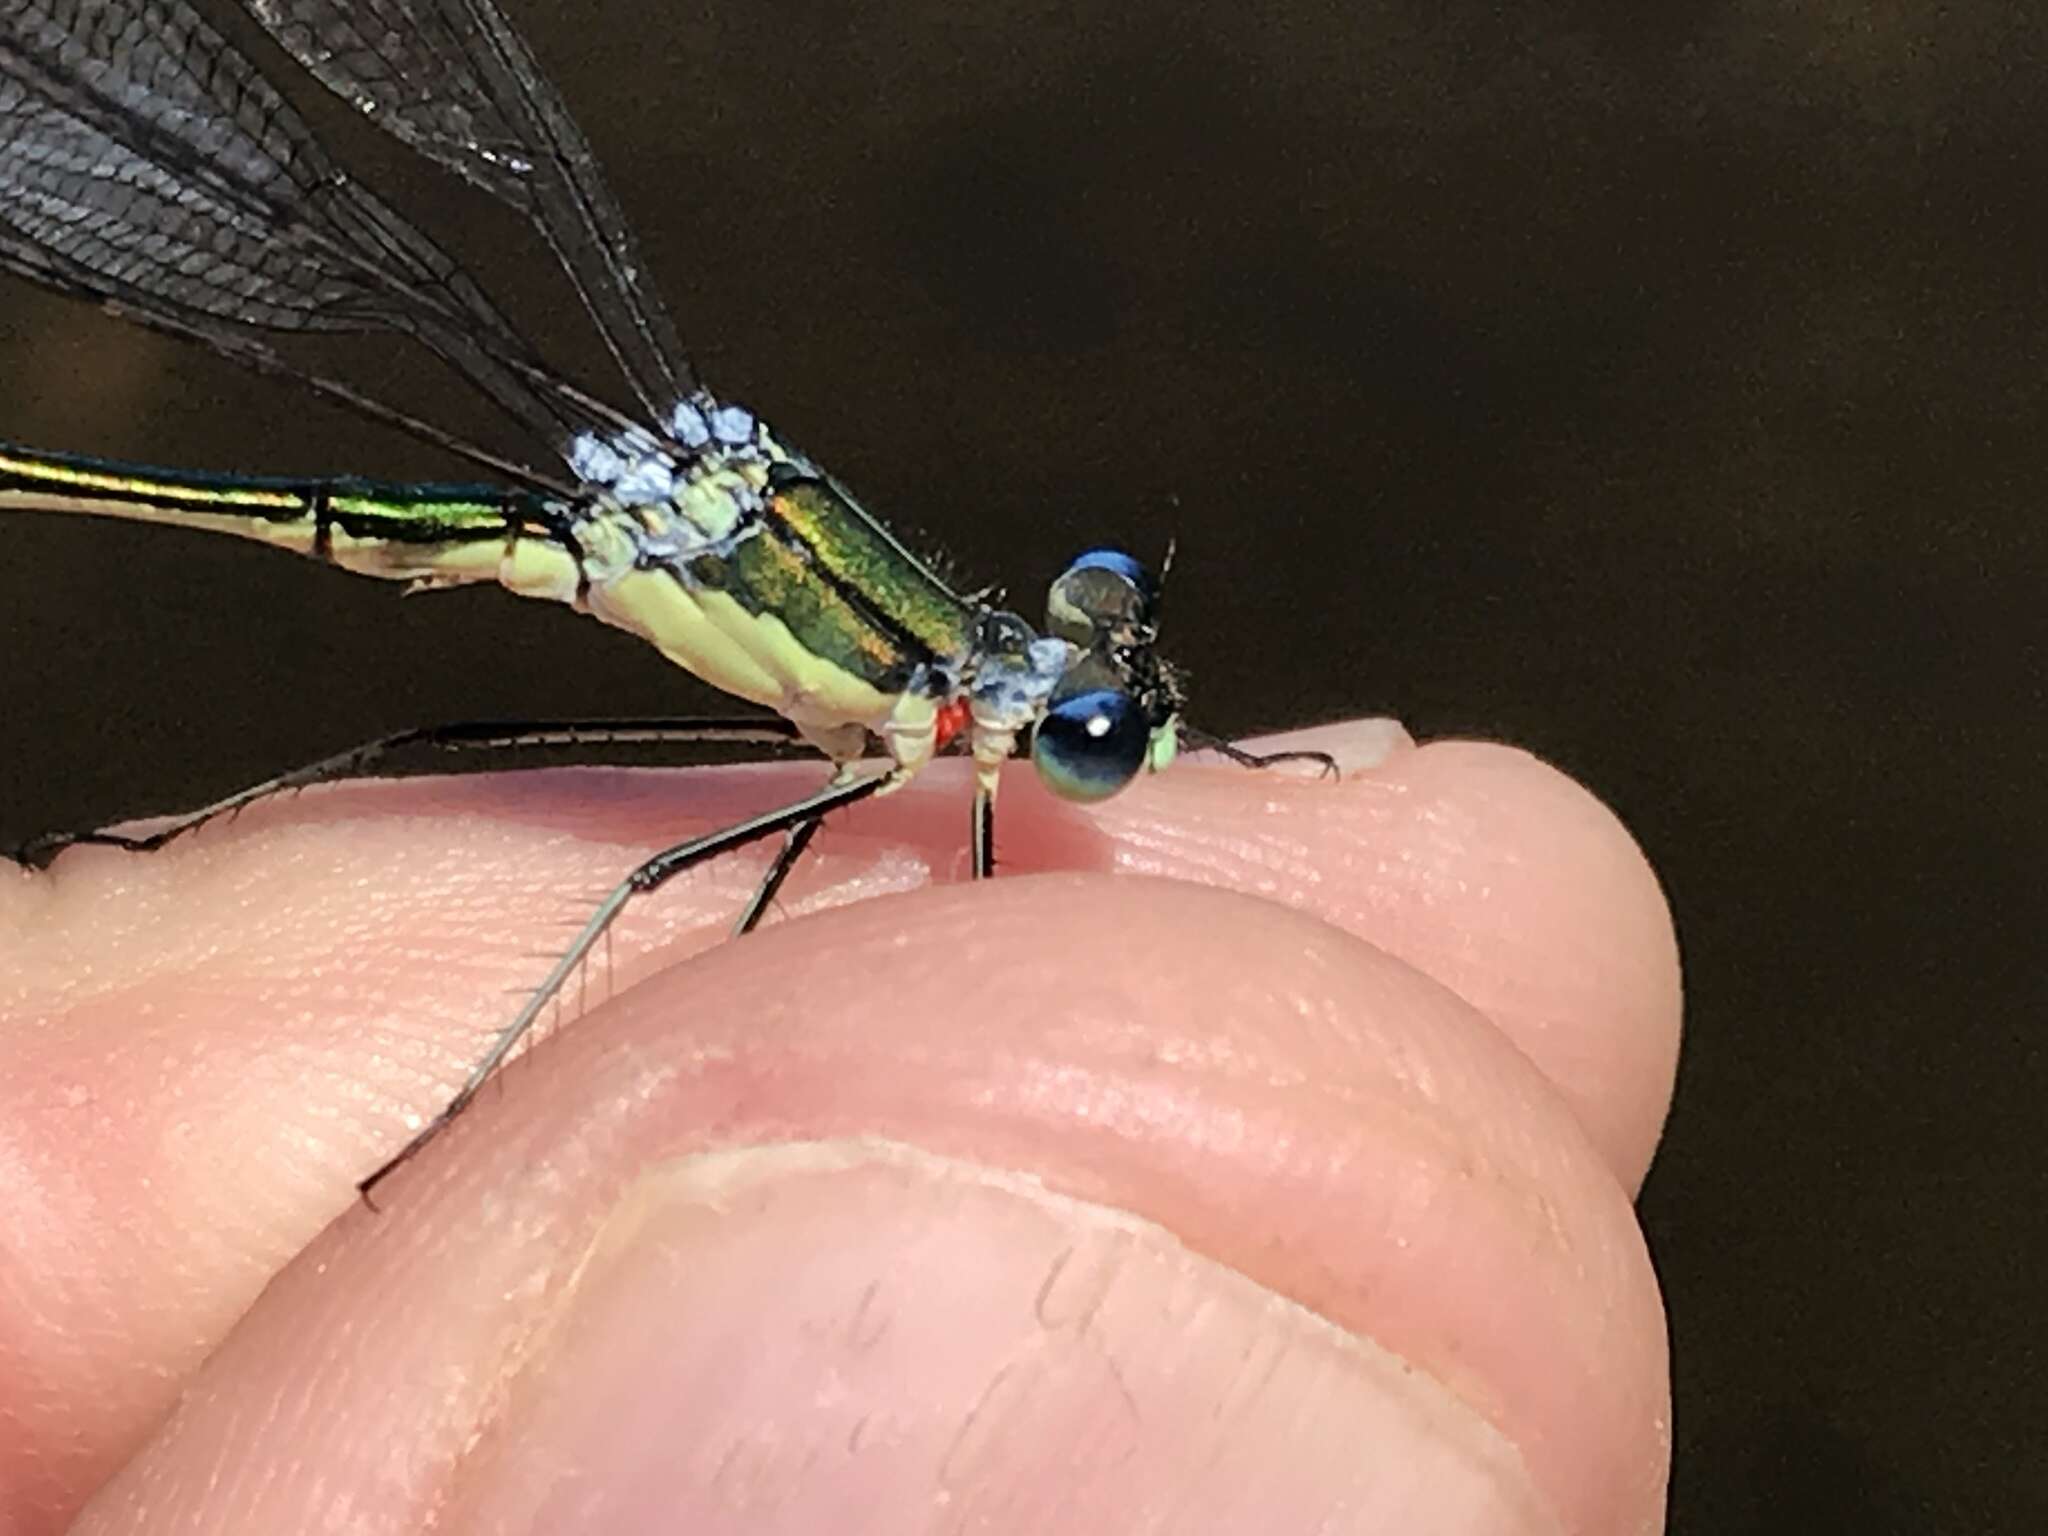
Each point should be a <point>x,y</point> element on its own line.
<point>855,1336</point>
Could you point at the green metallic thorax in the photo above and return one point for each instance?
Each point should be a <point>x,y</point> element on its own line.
<point>845,589</point>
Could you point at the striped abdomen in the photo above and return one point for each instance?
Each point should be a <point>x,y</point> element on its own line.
<point>428,532</point>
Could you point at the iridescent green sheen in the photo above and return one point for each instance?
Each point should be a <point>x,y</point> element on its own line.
<point>845,589</point>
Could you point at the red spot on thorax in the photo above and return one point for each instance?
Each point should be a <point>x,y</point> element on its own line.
<point>953,717</point>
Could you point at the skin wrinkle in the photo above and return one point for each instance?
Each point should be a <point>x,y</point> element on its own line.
<point>1467,1169</point>
<point>948,1056</point>
<point>1015,1397</point>
<point>1103,1102</point>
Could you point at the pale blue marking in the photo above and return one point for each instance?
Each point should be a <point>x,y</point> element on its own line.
<point>594,460</point>
<point>636,442</point>
<point>686,424</point>
<point>1015,692</point>
<point>647,481</point>
<point>1049,658</point>
<point>733,424</point>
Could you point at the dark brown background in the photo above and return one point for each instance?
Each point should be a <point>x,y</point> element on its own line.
<point>1666,395</point>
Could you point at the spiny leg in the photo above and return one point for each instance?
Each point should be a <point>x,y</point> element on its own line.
<point>1202,741</point>
<point>472,736</point>
<point>794,842</point>
<point>799,818</point>
<point>981,839</point>
<point>981,844</point>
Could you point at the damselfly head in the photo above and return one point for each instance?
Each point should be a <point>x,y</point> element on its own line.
<point>1115,709</point>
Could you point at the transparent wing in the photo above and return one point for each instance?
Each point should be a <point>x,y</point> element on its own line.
<point>241,345</point>
<point>144,162</point>
<point>452,79</point>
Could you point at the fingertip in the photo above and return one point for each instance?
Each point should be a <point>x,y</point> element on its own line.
<point>1482,865</point>
<point>1302,1120</point>
<point>1579,954</point>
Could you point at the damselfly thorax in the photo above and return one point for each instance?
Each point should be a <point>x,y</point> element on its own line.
<point>147,166</point>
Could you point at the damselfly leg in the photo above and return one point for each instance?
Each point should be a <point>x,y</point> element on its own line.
<point>150,167</point>
<point>794,844</point>
<point>799,819</point>
<point>798,823</point>
<point>1202,741</point>
<point>473,737</point>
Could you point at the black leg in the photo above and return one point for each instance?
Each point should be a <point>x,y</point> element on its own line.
<point>799,818</point>
<point>794,842</point>
<point>470,737</point>
<point>981,840</point>
<point>1202,741</point>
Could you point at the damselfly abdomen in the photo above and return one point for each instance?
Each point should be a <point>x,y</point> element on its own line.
<point>148,166</point>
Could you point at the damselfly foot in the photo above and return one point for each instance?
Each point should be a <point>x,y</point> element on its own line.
<point>1202,741</point>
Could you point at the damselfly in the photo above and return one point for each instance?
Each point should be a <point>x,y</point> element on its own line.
<point>147,165</point>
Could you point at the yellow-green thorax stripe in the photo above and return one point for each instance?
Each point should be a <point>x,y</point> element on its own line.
<point>842,587</point>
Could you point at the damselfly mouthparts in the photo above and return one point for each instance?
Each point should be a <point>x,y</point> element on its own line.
<point>147,165</point>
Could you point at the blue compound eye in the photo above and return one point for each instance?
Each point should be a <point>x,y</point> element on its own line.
<point>1089,745</point>
<point>1104,592</point>
<point>1126,568</point>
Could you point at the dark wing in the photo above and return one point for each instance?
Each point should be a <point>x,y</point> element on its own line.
<point>453,80</point>
<point>145,163</point>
